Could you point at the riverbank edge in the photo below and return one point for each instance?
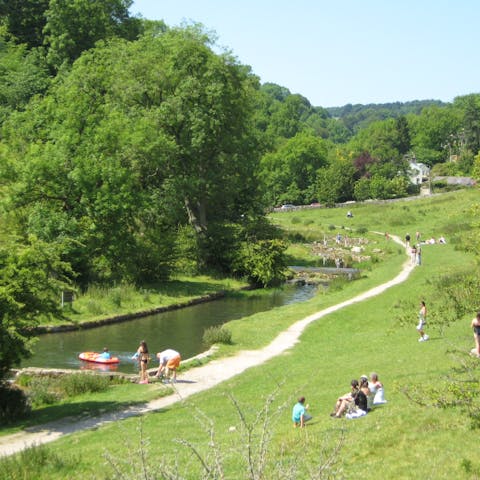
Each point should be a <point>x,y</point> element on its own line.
<point>68,327</point>
<point>132,377</point>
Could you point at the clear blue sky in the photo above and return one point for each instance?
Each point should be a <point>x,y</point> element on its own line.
<point>344,51</point>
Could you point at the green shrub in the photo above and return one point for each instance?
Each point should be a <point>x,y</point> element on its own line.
<point>217,334</point>
<point>14,404</point>
<point>295,220</point>
<point>332,227</point>
<point>83,383</point>
<point>362,230</point>
<point>307,221</point>
<point>42,391</point>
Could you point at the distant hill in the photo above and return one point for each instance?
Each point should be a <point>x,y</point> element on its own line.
<point>356,117</point>
<point>393,109</point>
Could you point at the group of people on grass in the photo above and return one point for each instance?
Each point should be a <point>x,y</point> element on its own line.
<point>361,398</point>
<point>169,360</point>
<point>415,248</point>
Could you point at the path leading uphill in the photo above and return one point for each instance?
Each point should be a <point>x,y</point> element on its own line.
<point>199,379</point>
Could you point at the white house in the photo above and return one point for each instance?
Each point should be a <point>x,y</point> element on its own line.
<point>419,172</point>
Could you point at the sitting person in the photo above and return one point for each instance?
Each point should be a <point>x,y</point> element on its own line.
<point>376,387</point>
<point>442,240</point>
<point>105,354</point>
<point>299,413</point>
<point>352,404</point>
<point>169,361</point>
<point>365,387</point>
<point>361,401</point>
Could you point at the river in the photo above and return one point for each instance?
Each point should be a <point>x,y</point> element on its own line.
<point>180,329</point>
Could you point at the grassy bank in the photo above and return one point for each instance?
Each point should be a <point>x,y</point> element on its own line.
<point>99,303</point>
<point>400,440</point>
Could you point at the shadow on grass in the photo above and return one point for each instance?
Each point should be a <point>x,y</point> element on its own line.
<point>62,416</point>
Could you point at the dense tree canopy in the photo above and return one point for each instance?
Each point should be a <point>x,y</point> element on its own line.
<point>32,277</point>
<point>135,136</point>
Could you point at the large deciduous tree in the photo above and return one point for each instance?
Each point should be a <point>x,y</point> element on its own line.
<point>289,174</point>
<point>139,139</point>
<point>24,20</point>
<point>74,26</point>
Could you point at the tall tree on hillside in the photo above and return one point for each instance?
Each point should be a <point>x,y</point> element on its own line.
<point>403,134</point>
<point>471,122</point>
<point>74,26</point>
<point>289,174</point>
<point>433,132</point>
<point>22,75</point>
<point>24,20</point>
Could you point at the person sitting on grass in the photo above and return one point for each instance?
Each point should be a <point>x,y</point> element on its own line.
<point>352,404</point>
<point>299,413</point>
<point>376,387</point>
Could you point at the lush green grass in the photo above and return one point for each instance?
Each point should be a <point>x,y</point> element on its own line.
<point>101,302</point>
<point>115,397</point>
<point>400,440</point>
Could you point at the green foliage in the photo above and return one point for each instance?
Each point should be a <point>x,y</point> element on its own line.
<point>31,279</point>
<point>263,262</point>
<point>29,462</point>
<point>123,159</point>
<point>78,384</point>
<point>22,75</point>
<point>41,392</point>
<point>335,183</point>
<point>74,27</point>
<point>289,174</point>
<point>14,404</point>
<point>457,390</point>
<point>46,390</point>
<point>217,334</point>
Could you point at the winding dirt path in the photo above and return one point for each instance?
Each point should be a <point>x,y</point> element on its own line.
<point>199,379</point>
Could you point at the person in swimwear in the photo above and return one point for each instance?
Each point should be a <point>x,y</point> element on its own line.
<point>143,358</point>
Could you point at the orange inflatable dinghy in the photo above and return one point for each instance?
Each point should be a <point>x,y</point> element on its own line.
<point>97,358</point>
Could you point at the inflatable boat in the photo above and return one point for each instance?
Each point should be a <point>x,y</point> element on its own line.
<point>96,357</point>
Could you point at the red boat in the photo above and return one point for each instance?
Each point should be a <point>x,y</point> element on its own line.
<point>96,357</point>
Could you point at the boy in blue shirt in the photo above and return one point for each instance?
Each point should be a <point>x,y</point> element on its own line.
<point>299,413</point>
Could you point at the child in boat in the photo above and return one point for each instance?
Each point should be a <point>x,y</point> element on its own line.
<point>105,354</point>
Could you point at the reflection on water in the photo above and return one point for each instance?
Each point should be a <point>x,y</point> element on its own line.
<point>179,329</point>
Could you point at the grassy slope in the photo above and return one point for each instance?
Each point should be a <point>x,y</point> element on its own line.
<point>399,440</point>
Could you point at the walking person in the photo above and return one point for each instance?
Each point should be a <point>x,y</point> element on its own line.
<point>476,335</point>
<point>413,255</point>
<point>143,358</point>
<point>419,254</point>
<point>422,320</point>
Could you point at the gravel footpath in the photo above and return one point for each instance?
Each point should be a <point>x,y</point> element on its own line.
<point>196,380</point>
